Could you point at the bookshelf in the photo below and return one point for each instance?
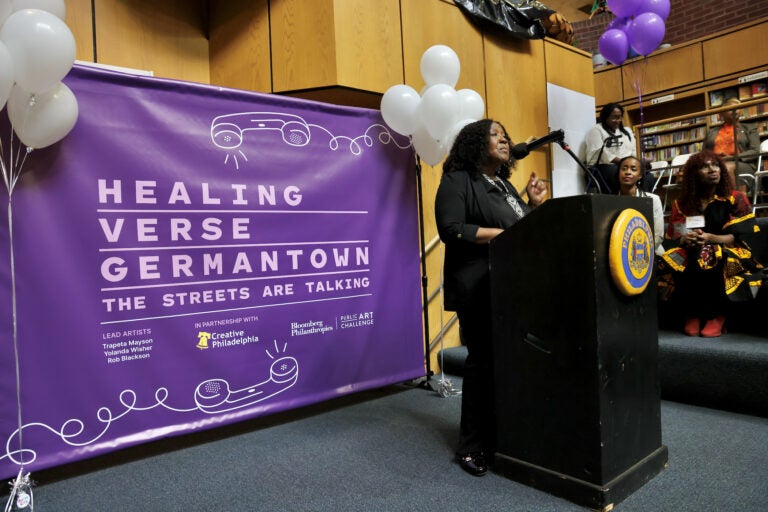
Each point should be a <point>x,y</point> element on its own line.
<point>665,141</point>
<point>749,87</point>
<point>679,134</point>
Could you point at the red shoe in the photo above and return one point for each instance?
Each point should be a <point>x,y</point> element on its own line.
<point>713,328</point>
<point>692,326</point>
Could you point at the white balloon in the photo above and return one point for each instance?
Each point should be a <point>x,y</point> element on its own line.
<point>5,10</point>
<point>398,108</point>
<point>6,74</point>
<point>42,119</point>
<point>439,109</point>
<point>440,65</point>
<point>55,7</point>
<point>471,105</point>
<point>454,132</point>
<point>42,48</point>
<point>429,150</point>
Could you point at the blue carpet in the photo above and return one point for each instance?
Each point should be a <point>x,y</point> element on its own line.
<point>391,450</point>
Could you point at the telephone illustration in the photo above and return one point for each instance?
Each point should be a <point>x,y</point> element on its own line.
<point>227,130</point>
<point>214,395</point>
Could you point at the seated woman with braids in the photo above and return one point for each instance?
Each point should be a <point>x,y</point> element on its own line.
<point>712,263</point>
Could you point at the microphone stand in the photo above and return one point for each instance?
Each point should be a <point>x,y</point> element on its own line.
<point>567,148</point>
<point>424,288</point>
<point>559,137</point>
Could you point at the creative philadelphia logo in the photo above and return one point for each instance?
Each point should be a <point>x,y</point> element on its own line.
<point>226,339</point>
<point>202,340</point>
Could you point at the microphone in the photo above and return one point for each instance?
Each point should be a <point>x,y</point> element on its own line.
<point>521,150</point>
<point>555,136</point>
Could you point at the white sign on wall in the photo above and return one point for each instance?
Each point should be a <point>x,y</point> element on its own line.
<point>574,113</point>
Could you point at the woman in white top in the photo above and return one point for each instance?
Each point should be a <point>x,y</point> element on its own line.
<point>630,173</point>
<point>607,143</point>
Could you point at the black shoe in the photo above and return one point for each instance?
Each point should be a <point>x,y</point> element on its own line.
<point>474,463</point>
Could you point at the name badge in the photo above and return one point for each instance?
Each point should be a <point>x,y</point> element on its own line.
<point>695,221</point>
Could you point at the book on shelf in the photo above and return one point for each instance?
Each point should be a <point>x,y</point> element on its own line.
<point>745,92</point>
<point>759,89</point>
<point>673,125</point>
<point>670,152</point>
<point>716,98</point>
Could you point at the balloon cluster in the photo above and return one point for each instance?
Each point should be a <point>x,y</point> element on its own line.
<point>434,118</point>
<point>638,26</point>
<point>37,50</point>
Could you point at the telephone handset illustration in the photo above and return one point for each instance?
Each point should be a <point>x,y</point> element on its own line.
<point>227,130</point>
<point>214,395</point>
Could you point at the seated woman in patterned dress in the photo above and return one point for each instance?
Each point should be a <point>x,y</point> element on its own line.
<point>712,264</point>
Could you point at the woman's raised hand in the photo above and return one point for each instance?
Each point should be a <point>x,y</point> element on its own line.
<point>536,189</point>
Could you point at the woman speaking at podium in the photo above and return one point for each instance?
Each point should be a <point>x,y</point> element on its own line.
<point>475,202</point>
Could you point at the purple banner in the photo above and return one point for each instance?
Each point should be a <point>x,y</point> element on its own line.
<point>189,256</point>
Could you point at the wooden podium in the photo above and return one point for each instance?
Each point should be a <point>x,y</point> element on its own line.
<point>577,390</point>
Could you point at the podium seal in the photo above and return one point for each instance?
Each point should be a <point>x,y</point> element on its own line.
<point>631,252</point>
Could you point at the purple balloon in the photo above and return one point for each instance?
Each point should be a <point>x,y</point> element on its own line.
<point>660,7</point>
<point>614,46</point>
<point>624,8</point>
<point>618,23</point>
<point>646,32</point>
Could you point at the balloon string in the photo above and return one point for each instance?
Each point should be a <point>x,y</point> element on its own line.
<point>638,79</point>
<point>15,324</point>
<point>11,176</point>
<point>17,174</point>
<point>3,168</point>
<point>10,162</point>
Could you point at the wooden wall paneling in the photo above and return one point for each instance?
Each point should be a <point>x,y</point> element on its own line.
<point>434,260</point>
<point>426,23</point>
<point>517,97</point>
<point>683,103</point>
<point>608,86</point>
<point>163,36</point>
<point>79,19</point>
<point>303,45</point>
<point>735,51</point>
<point>438,318</point>
<point>569,67</point>
<point>369,52</point>
<point>239,50</point>
<point>430,22</point>
<point>672,68</point>
<point>430,179</point>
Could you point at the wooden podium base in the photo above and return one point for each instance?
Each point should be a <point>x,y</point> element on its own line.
<point>598,497</point>
<point>578,400</point>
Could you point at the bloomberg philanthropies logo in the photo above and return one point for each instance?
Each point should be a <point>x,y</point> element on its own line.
<point>206,340</point>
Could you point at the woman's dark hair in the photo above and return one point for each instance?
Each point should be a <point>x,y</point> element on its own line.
<point>606,112</point>
<point>469,152</point>
<point>692,190</point>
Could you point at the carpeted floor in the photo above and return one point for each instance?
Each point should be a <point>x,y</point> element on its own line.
<point>391,450</point>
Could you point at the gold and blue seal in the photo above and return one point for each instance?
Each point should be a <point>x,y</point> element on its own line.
<point>631,252</point>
